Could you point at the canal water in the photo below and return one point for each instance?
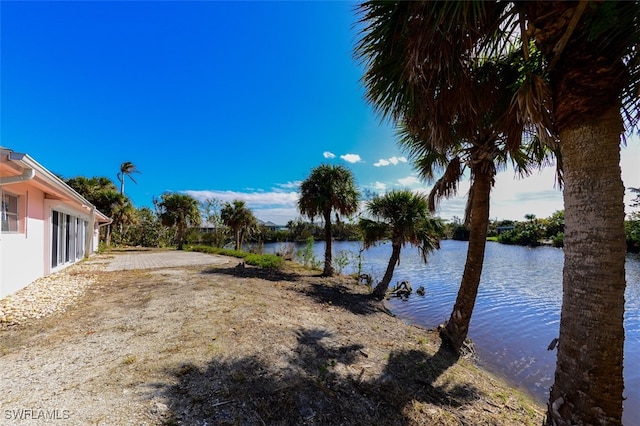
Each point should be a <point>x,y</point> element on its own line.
<point>517,312</point>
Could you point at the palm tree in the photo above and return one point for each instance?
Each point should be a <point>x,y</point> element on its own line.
<point>483,157</point>
<point>240,219</point>
<point>328,189</point>
<point>123,214</point>
<point>592,66</point>
<point>483,143</point>
<point>403,217</point>
<point>102,193</point>
<point>126,169</point>
<point>179,210</point>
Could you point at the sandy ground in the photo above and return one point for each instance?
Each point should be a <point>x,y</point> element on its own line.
<point>209,344</point>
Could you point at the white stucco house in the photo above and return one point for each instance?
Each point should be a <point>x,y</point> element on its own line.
<point>45,224</point>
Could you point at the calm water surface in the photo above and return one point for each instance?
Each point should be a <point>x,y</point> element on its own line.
<point>517,311</point>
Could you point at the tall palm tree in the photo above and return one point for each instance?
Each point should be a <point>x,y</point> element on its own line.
<point>328,189</point>
<point>179,210</point>
<point>403,217</point>
<point>592,64</point>
<point>240,219</point>
<point>127,169</point>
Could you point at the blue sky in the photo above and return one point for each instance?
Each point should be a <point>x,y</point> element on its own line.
<point>225,100</point>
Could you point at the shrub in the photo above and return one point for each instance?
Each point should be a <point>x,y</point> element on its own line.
<point>508,237</point>
<point>307,256</point>
<point>287,251</point>
<point>632,231</point>
<point>460,233</point>
<point>558,240</point>
<point>266,261</point>
<point>341,260</point>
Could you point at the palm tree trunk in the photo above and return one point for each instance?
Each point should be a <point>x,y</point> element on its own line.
<point>107,238</point>
<point>240,239</point>
<point>328,258</point>
<point>180,235</point>
<point>381,289</point>
<point>457,327</point>
<point>588,379</point>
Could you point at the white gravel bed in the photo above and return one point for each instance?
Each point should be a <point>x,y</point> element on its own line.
<point>51,294</point>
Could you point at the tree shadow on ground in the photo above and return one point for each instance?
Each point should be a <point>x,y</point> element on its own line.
<point>342,296</point>
<point>319,383</point>
<point>247,271</point>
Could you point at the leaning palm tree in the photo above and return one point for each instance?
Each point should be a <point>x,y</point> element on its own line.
<point>417,53</point>
<point>126,169</point>
<point>402,217</point>
<point>179,210</point>
<point>240,219</point>
<point>482,158</point>
<point>328,189</point>
<point>482,144</point>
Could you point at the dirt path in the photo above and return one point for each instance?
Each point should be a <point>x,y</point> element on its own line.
<point>199,346</point>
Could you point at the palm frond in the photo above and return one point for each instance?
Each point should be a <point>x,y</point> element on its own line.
<point>447,185</point>
<point>328,189</point>
<point>395,47</point>
<point>373,231</point>
<point>403,217</point>
<point>427,159</point>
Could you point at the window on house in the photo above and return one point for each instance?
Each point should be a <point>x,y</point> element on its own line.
<point>9,213</point>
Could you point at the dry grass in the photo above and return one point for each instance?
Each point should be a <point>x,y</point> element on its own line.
<point>262,348</point>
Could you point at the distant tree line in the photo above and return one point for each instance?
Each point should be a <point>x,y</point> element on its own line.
<point>535,231</point>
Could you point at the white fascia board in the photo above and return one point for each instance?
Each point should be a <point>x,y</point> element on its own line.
<point>58,184</point>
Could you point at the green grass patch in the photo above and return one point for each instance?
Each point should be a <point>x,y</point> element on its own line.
<point>267,261</point>
<point>494,239</point>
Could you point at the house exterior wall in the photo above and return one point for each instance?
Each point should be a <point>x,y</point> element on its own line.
<point>26,255</point>
<point>21,259</point>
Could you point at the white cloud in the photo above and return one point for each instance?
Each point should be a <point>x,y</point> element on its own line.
<point>328,154</point>
<point>409,180</point>
<point>290,185</point>
<point>379,186</point>
<point>254,199</point>
<point>351,158</point>
<point>391,160</point>
<point>277,205</point>
<point>279,216</point>
<point>395,160</point>
<point>512,198</point>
